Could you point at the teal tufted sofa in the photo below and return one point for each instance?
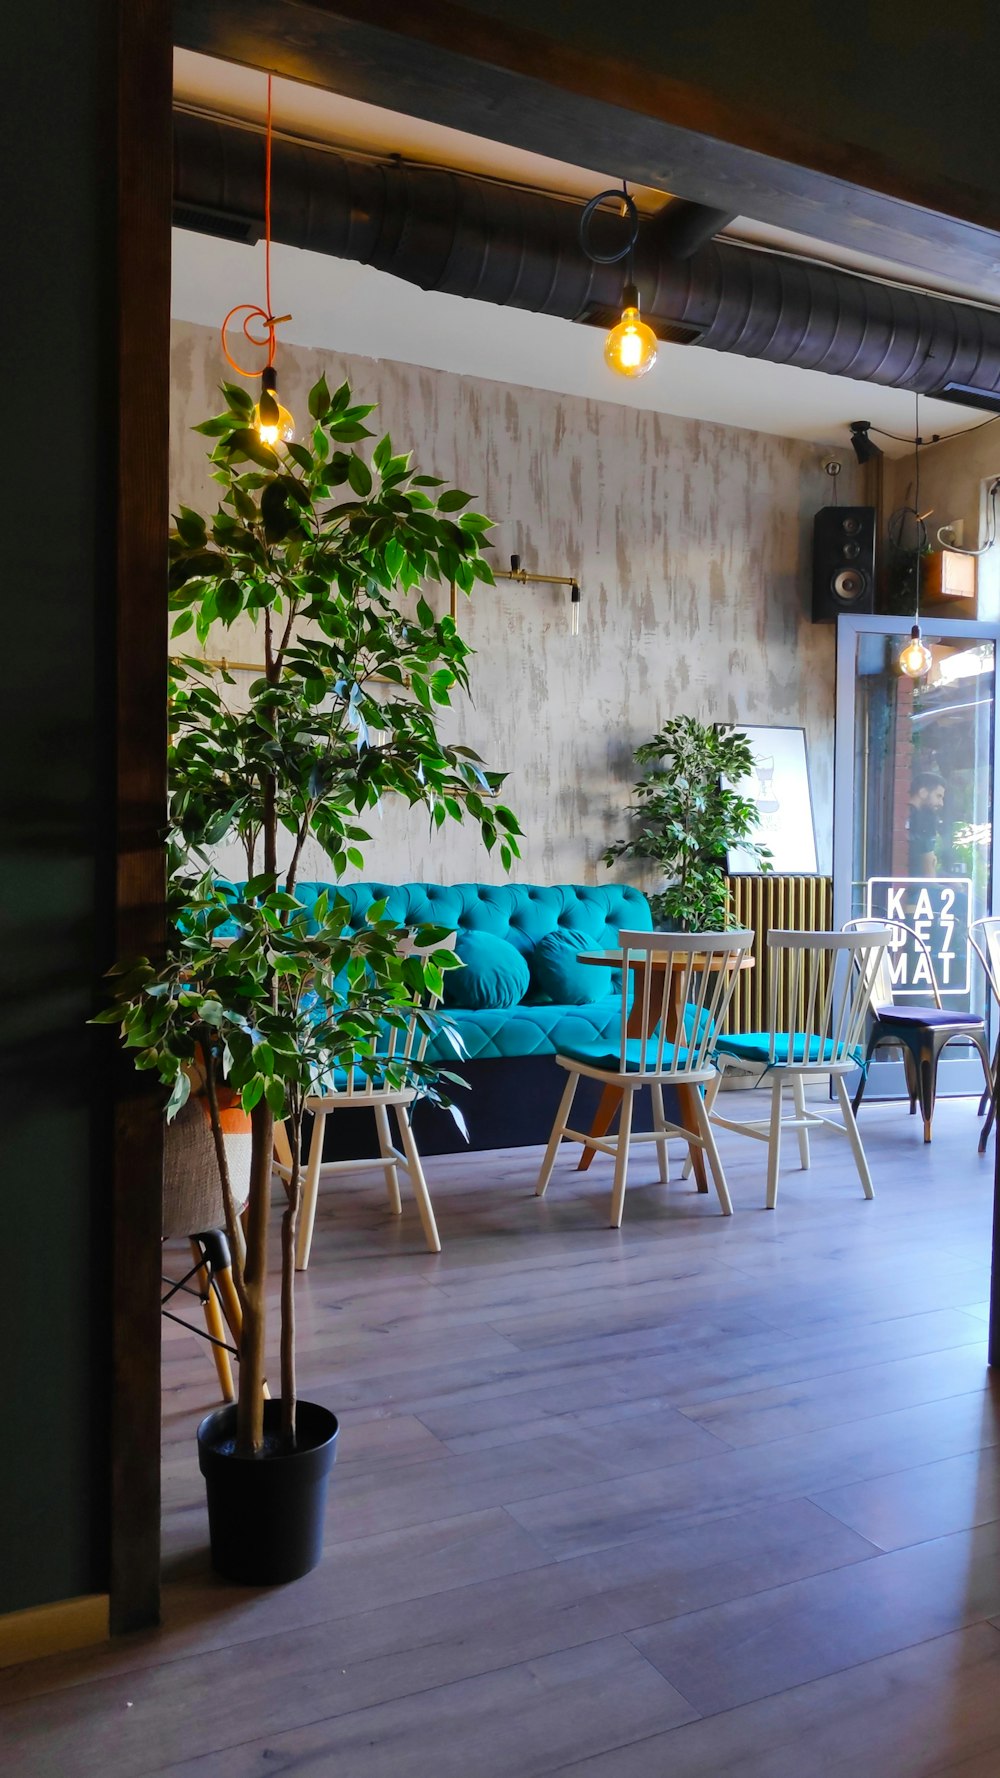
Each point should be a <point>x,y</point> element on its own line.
<point>510,1052</point>
<point>521,913</point>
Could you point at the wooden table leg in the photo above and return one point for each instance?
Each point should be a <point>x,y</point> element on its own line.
<point>608,1104</point>
<point>689,1118</point>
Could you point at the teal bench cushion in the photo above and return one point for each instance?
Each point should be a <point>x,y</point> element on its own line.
<point>527,1030</point>
<point>755,1046</point>
<point>607,1055</point>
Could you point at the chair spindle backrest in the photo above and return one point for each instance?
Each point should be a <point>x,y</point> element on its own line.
<point>404,1044</point>
<point>831,978</point>
<point>882,992</point>
<point>682,985</point>
<point>984,937</point>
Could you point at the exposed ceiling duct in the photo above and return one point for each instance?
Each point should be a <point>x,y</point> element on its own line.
<point>475,237</point>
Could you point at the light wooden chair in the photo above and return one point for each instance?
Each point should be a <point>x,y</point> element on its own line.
<point>403,1047</point>
<point>817,1031</point>
<point>920,1031</point>
<point>683,985</point>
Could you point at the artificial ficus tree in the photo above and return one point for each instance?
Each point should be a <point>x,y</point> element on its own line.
<point>687,814</point>
<point>325,550</point>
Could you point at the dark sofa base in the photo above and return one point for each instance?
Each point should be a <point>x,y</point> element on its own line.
<point>511,1103</point>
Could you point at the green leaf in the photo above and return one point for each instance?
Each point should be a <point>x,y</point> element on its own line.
<point>228,600</point>
<point>319,399</point>
<point>359,475</point>
<point>348,431</point>
<point>244,442</point>
<point>452,500</point>
<point>252,1093</point>
<point>274,1093</point>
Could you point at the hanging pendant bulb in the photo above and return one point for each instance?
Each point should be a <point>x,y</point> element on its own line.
<point>574,610</point>
<point>630,348</point>
<point>273,422</point>
<point>915,659</point>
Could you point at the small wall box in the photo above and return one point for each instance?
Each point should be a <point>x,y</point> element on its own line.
<point>948,584</point>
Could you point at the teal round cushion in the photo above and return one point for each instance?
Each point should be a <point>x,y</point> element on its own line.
<point>558,975</point>
<point>495,974</point>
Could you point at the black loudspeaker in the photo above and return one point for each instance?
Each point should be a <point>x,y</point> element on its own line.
<point>843,561</point>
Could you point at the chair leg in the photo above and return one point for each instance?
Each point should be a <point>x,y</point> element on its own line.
<point>984,1135</point>
<point>927,1071</point>
<point>230,1301</point>
<point>799,1097</point>
<point>912,1077</point>
<point>774,1144</point>
<point>988,1097</point>
<point>714,1158</point>
<point>863,1082</point>
<point>621,1160</point>
<point>310,1192</point>
<point>214,1323</point>
<point>552,1147</point>
<point>853,1137</point>
<point>282,1146</point>
<point>417,1180</point>
<point>656,1094</point>
<point>984,1057</point>
<point>994,1073</point>
<point>391,1167</point>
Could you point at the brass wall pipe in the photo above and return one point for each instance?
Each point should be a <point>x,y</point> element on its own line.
<point>526,578</point>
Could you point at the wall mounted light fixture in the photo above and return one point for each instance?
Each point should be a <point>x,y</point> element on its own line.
<point>526,578</point>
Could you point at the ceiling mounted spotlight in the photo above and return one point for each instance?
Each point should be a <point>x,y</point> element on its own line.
<point>865,448</point>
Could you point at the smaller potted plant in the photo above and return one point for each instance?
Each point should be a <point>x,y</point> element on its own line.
<point>687,816</point>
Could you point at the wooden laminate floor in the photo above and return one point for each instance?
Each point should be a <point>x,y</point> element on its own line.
<point>698,1497</point>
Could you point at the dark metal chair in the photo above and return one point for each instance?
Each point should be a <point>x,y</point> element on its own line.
<point>921,1032</point>
<point>984,937</point>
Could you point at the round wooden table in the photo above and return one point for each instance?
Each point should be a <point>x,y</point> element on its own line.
<point>642,1024</point>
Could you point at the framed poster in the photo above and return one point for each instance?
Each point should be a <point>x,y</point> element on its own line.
<point>779,785</point>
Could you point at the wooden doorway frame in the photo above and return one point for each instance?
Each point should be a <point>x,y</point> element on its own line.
<point>141,348</point>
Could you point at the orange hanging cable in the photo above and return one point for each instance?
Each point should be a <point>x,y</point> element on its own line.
<point>252,311</point>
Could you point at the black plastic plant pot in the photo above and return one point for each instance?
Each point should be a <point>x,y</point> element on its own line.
<point>265,1513</point>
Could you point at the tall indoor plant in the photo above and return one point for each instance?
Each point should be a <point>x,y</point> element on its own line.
<point>687,815</point>
<point>324,549</point>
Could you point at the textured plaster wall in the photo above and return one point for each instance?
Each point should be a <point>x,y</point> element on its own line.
<point>691,543</point>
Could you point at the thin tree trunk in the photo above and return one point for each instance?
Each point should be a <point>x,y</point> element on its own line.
<point>250,1408</point>
<point>289,1223</point>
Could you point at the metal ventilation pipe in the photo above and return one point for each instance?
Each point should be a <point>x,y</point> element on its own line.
<point>474,237</point>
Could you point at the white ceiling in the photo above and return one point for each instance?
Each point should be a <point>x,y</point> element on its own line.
<point>350,308</point>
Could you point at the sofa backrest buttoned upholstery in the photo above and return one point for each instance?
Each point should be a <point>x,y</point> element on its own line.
<point>521,913</point>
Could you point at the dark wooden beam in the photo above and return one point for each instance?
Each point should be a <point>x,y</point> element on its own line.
<point>826,128</point>
<point>143,403</point>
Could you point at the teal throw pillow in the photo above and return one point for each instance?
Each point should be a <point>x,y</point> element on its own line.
<point>560,977</point>
<point>494,975</point>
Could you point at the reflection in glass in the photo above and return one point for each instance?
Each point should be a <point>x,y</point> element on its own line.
<point>923,763</point>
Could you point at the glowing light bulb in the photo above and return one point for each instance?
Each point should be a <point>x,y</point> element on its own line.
<point>274,423</point>
<point>630,348</point>
<point>915,659</point>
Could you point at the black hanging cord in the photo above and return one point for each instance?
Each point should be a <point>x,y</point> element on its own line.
<point>587,215</point>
